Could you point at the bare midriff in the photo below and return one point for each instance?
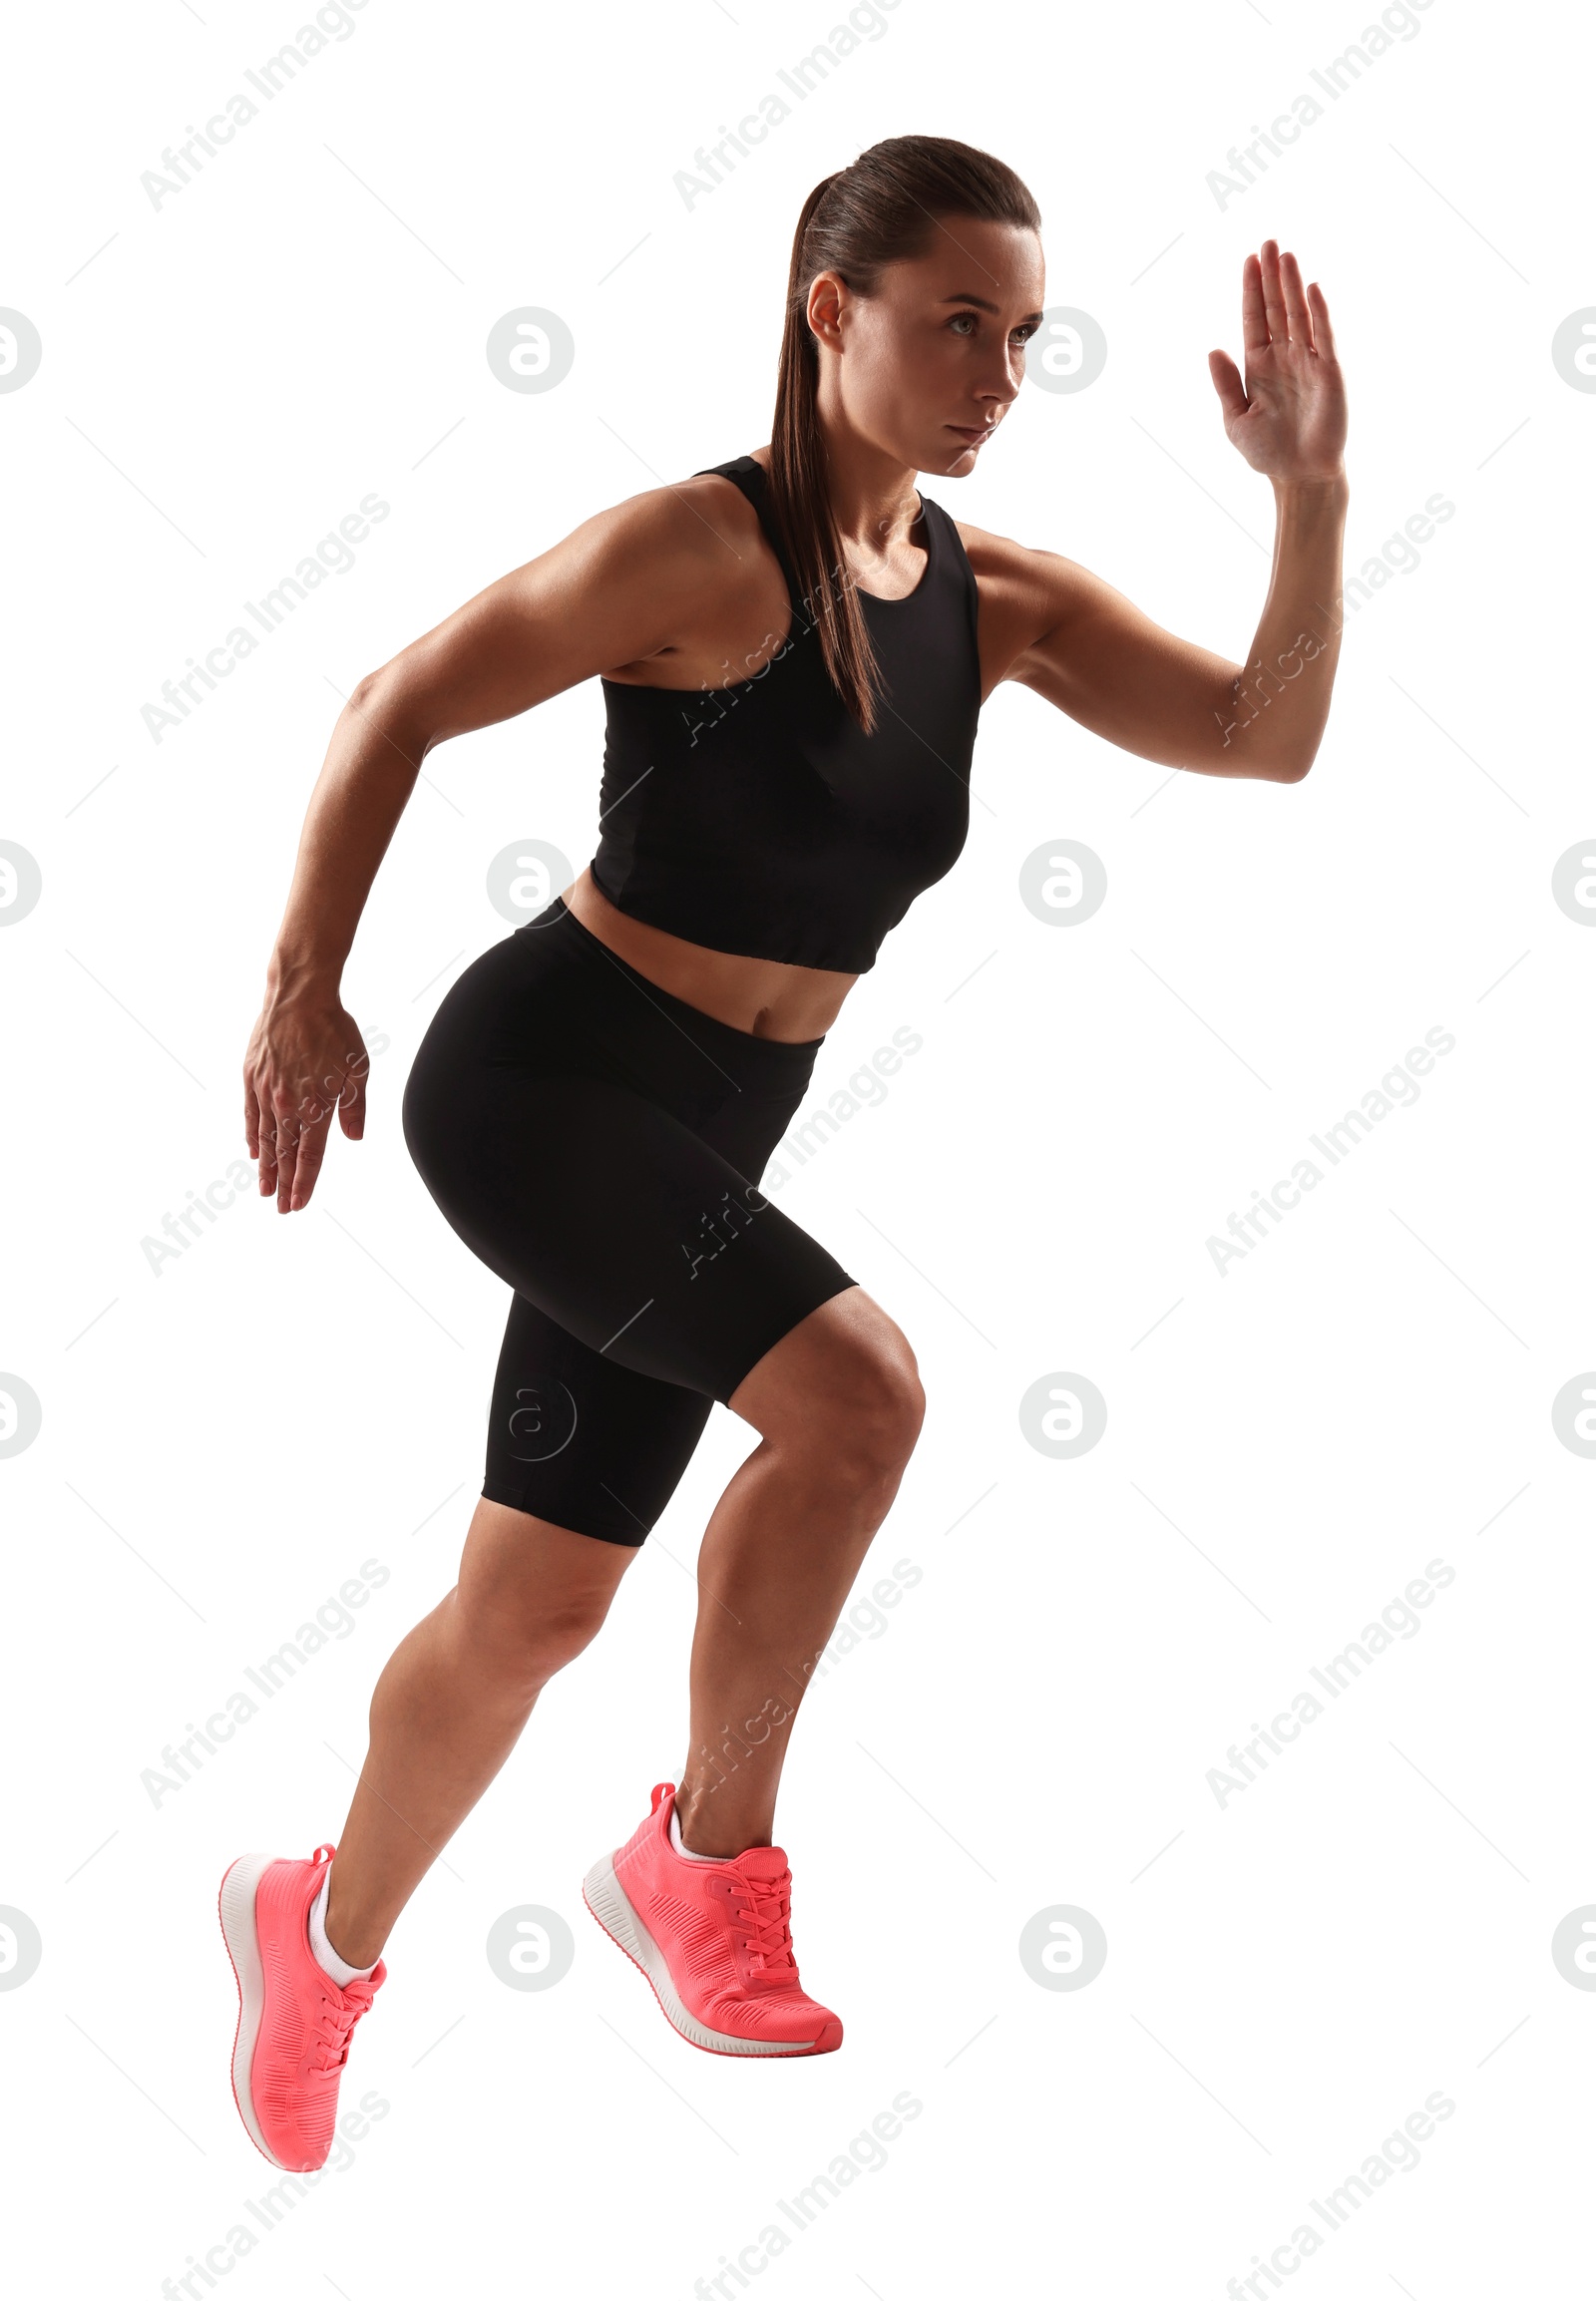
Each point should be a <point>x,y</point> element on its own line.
<point>764,996</point>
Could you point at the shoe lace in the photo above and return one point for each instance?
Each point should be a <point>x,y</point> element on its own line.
<point>334,2026</point>
<point>334,2022</point>
<point>765,1923</point>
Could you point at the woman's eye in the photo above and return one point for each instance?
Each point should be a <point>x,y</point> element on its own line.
<point>1026,330</point>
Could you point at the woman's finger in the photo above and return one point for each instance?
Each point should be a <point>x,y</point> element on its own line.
<point>1228,383</point>
<point>268,1150</point>
<point>1323,333</point>
<point>287,1147</point>
<point>1274,301</point>
<point>295,1079</point>
<point>308,1153</point>
<point>1299,319</point>
<point>352,1102</point>
<point>1254,321</point>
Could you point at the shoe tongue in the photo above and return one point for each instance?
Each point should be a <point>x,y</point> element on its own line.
<point>762,1861</point>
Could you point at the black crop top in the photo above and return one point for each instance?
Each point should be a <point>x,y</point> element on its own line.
<point>758,818</point>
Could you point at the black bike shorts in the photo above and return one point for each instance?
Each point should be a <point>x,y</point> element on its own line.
<point>600,1143</point>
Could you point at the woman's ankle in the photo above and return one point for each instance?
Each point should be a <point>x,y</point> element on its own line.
<point>720,1835</point>
<point>353,1934</point>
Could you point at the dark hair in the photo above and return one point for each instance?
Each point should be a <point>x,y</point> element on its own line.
<point>883,210</point>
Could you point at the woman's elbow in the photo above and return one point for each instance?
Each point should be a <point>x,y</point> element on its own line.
<point>387,700</point>
<point>1293,766</point>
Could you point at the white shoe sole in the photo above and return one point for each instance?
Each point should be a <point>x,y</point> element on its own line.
<point>605,1895</point>
<point>236,1906</point>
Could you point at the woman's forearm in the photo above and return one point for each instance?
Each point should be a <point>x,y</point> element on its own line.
<point>1279,699</point>
<point>369,772</point>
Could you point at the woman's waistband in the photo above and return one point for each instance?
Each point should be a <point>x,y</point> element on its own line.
<point>772,1061</point>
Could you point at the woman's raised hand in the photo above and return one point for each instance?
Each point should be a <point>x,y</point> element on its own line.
<point>1290,419</point>
<point>305,1060</point>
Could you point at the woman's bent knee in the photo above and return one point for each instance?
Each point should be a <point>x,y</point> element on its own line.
<point>844,1384</point>
<point>531,1594</point>
<point>875,1428</point>
<point>519,1648</point>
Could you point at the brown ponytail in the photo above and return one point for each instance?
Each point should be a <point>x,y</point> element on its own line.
<point>883,210</point>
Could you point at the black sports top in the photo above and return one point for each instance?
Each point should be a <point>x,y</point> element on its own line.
<point>757,817</point>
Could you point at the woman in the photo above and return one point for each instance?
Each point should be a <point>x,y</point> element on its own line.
<point>794,648</point>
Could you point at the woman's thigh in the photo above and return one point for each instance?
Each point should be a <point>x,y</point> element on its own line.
<point>573,1124</point>
<point>624,1227</point>
<point>580,1441</point>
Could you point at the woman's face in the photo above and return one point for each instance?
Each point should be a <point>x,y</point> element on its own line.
<point>925,368</point>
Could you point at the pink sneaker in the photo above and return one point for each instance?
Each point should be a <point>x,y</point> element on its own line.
<point>713,1940</point>
<point>294,2022</point>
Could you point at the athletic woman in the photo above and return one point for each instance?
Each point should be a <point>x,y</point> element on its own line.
<point>794,647</point>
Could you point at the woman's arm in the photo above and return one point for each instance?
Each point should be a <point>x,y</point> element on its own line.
<point>619,587</point>
<point>1090,650</point>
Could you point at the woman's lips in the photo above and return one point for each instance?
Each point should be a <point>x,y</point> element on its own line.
<point>975,433</point>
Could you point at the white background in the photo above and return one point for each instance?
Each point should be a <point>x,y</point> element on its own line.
<point>1287,1445</point>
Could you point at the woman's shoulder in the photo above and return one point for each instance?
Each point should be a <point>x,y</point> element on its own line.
<point>684,525</point>
<point>1025,592</point>
<point>1029,571</point>
<point>993,556</point>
